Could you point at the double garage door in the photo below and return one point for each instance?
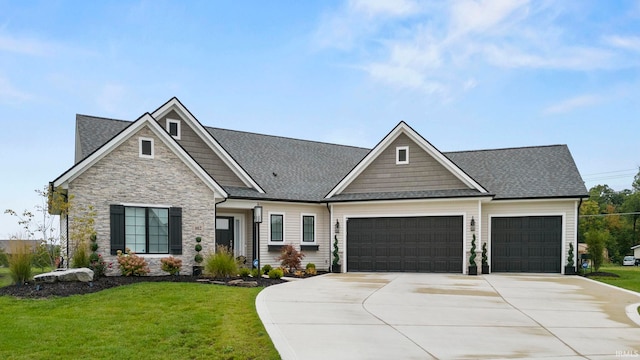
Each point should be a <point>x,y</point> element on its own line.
<point>434,244</point>
<point>412,244</point>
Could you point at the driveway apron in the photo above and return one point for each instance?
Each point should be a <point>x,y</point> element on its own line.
<point>446,316</point>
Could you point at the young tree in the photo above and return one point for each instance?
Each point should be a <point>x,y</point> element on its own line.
<point>40,223</point>
<point>596,240</point>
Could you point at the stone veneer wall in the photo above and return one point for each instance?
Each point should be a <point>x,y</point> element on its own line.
<point>123,177</point>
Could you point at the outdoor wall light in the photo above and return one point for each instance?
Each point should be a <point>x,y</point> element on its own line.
<point>257,214</point>
<point>337,227</point>
<point>473,224</point>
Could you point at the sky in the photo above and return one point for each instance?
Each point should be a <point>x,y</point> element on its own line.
<point>466,75</point>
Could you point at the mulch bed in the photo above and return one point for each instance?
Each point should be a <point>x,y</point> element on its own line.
<point>601,273</point>
<point>62,289</point>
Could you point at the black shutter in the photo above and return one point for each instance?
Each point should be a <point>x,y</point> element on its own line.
<point>117,228</point>
<point>175,231</point>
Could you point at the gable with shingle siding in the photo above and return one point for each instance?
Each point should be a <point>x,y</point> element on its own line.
<point>422,173</point>
<point>201,152</point>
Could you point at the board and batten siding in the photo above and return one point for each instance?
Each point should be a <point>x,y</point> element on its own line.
<point>408,208</point>
<point>422,172</point>
<point>293,232</point>
<point>202,153</point>
<point>565,208</point>
<point>163,180</point>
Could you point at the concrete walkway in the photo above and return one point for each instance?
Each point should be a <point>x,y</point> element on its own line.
<point>444,316</point>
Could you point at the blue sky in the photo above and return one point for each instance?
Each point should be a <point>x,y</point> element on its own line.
<point>465,74</point>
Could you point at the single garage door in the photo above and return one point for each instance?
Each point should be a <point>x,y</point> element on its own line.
<point>526,244</point>
<point>413,244</point>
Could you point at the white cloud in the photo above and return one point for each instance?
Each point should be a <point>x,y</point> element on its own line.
<point>25,46</point>
<point>573,103</point>
<point>624,42</point>
<point>396,8</point>
<point>10,94</point>
<point>437,48</point>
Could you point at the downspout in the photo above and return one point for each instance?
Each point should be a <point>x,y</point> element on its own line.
<point>215,213</point>
<point>330,228</point>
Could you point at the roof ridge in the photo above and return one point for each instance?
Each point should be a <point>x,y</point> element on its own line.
<point>507,148</point>
<point>287,138</point>
<point>102,117</point>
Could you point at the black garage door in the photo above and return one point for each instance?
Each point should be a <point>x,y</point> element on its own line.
<point>526,244</point>
<point>414,244</point>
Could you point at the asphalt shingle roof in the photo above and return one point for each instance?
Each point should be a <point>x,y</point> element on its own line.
<point>302,170</point>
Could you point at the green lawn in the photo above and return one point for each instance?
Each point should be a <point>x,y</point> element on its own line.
<point>140,321</point>
<point>5,277</point>
<point>629,276</point>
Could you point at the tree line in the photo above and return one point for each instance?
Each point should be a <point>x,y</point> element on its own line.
<point>609,220</point>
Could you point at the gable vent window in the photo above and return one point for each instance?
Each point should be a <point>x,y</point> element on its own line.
<point>173,127</point>
<point>146,148</point>
<point>402,155</point>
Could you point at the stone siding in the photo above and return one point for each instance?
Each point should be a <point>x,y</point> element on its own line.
<point>122,177</point>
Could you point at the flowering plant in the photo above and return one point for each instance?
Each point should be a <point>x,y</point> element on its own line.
<point>132,264</point>
<point>171,265</point>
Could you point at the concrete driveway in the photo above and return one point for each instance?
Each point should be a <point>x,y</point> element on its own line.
<point>444,316</point>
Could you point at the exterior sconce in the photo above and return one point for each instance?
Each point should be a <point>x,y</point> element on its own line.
<point>257,214</point>
<point>337,227</point>
<point>473,224</point>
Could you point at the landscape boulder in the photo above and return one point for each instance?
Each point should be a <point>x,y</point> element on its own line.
<point>81,274</point>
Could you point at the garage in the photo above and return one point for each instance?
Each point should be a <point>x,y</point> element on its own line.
<point>526,244</point>
<point>411,244</point>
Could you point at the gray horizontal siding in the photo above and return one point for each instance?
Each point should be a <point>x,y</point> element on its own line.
<point>422,173</point>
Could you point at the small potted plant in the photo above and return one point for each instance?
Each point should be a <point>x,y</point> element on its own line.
<point>485,259</point>
<point>570,269</point>
<point>197,269</point>
<point>473,267</point>
<point>335,265</point>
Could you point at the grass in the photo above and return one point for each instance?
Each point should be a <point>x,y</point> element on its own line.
<point>629,276</point>
<point>140,321</point>
<point>5,276</point>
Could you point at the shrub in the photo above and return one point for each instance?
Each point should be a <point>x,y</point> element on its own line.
<point>198,258</point>
<point>299,273</point>
<point>570,255</point>
<point>311,269</point>
<point>96,262</point>
<point>255,273</point>
<point>485,258</point>
<point>245,272</point>
<point>275,273</point>
<point>198,247</point>
<point>132,264</point>
<point>221,264</point>
<point>4,258</point>
<point>20,262</point>
<point>266,269</point>
<point>290,258</point>
<point>171,265</point>
<point>80,258</point>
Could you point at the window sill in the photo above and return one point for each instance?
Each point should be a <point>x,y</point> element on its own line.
<point>309,247</point>
<point>275,247</point>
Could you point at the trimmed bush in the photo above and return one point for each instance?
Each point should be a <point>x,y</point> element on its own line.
<point>266,269</point>
<point>311,269</point>
<point>221,264</point>
<point>275,273</point>
<point>245,272</point>
<point>255,273</point>
<point>171,265</point>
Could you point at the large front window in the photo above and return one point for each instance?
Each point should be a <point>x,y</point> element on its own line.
<point>147,230</point>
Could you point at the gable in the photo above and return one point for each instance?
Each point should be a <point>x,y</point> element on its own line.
<point>146,121</point>
<point>376,173</point>
<point>421,173</point>
<point>201,152</point>
<point>174,106</point>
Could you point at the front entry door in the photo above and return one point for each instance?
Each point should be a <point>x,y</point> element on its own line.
<point>224,232</point>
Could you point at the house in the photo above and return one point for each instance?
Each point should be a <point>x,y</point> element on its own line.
<point>164,179</point>
<point>636,251</point>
